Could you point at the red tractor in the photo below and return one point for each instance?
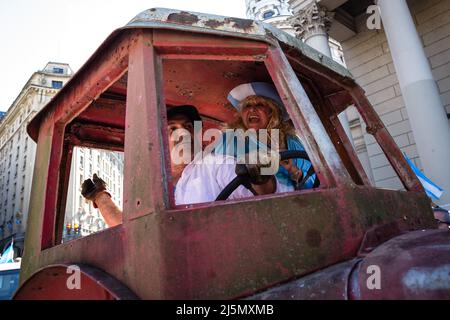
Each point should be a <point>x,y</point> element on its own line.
<point>345,239</point>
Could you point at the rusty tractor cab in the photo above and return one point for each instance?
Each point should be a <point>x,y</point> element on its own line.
<point>259,247</point>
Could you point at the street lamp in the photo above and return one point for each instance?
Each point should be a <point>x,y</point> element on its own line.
<point>68,228</point>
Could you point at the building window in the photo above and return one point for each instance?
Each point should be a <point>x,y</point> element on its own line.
<point>57,84</point>
<point>58,70</point>
<point>268,14</point>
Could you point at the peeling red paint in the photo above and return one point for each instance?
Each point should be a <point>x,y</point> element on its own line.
<point>183,17</point>
<point>212,23</point>
<point>244,24</point>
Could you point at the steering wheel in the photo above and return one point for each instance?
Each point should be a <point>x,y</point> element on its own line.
<point>243,179</point>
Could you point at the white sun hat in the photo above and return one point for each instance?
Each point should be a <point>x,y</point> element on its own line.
<point>262,89</point>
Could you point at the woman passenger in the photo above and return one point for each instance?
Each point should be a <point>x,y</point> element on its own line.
<point>260,107</point>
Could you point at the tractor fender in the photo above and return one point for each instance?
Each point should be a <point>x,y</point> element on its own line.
<point>330,283</point>
<point>73,282</point>
<point>415,265</point>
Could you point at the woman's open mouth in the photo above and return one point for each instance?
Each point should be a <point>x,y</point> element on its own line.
<point>253,119</point>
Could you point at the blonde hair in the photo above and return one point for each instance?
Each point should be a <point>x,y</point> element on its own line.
<point>275,121</point>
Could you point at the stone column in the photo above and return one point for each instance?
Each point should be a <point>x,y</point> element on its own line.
<point>312,24</point>
<point>427,116</point>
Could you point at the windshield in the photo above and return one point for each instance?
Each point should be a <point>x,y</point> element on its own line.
<point>9,281</point>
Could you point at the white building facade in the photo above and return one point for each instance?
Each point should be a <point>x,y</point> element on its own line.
<point>399,52</point>
<point>275,12</point>
<point>17,149</point>
<point>17,158</point>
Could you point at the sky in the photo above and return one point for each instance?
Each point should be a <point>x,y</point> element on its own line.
<point>34,32</point>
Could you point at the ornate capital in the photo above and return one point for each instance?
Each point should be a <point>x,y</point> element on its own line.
<point>312,20</point>
<point>285,8</point>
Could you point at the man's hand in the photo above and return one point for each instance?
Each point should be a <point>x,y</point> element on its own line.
<point>95,190</point>
<point>91,188</point>
<point>256,181</point>
<point>253,171</point>
<point>259,167</point>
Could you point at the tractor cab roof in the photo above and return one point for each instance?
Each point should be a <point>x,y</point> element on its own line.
<point>318,67</point>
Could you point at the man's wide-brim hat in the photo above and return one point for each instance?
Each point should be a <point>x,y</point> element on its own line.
<point>187,110</point>
<point>262,89</point>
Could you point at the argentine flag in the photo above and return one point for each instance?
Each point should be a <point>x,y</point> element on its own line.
<point>432,190</point>
<point>8,255</point>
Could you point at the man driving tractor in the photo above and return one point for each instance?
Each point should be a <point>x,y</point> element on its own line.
<point>194,182</point>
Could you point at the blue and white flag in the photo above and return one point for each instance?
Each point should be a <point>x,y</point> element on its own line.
<point>8,255</point>
<point>432,189</point>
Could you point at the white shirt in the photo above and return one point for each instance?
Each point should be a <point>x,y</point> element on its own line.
<point>202,182</point>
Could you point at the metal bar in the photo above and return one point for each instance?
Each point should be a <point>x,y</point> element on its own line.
<point>64,176</point>
<point>316,141</point>
<point>376,128</point>
<point>52,185</point>
<point>174,56</point>
<point>350,155</point>
<point>169,186</point>
<point>98,134</point>
<point>145,181</point>
<point>169,41</point>
<point>111,65</point>
<point>342,144</point>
